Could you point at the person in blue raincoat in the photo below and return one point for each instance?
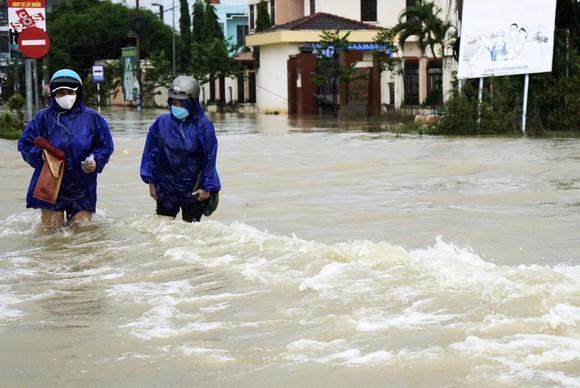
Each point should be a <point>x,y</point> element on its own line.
<point>84,137</point>
<point>179,158</point>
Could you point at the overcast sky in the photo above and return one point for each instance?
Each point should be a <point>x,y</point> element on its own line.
<point>146,4</point>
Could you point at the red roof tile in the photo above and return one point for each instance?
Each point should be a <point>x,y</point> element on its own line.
<point>323,21</point>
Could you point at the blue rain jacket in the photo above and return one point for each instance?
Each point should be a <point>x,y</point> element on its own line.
<point>79,132</point>
<point>176,152</point>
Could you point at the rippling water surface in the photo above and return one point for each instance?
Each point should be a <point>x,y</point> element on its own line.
<point>337,258</point>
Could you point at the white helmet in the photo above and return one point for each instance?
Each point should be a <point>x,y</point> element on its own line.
<point>184,87</point>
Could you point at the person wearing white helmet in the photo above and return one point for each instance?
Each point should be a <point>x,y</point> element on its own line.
<point>179,158</point>
<point>67,144</point>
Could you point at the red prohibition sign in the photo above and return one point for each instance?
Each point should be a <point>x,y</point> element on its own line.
<point>33,42</point>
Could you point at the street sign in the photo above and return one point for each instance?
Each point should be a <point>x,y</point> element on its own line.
<point>23,14</point>
<point>33,42</point>
<point>26,14</point>
<point>98,73</point>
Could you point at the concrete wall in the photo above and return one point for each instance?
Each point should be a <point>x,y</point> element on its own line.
<point>271,79</point>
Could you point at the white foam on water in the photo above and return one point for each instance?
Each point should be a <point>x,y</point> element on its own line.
<point>563,315</point>
<point>7,310</point>
<point>167,321</point>
<point>408,320</point>
<point>378,357</point>
<point>522,357</point>
<point>216,355</point>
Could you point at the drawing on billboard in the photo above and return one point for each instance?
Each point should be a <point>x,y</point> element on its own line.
<point>129,66</point>
<point>506,37</point>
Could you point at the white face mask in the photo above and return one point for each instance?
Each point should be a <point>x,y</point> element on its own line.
<point>67,101</point>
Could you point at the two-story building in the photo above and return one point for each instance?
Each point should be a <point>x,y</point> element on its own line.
<point>422,74</point>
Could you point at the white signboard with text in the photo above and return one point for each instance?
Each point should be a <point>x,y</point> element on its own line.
<point>24,14</point>
<point>506,37</point>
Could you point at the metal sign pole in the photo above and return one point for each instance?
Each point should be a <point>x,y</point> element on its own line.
<point>99,95</point>
<point>28,76</point>
<point>525,103</point>
<point>479,101</point>
<point>37,104</point>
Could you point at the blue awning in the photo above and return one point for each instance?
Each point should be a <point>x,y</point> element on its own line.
<point>329,52</point>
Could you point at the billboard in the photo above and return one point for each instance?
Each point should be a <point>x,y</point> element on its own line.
<point>129,67</point>
<point>506,37</point>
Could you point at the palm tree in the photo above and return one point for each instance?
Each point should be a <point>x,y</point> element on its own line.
<point>422,20</point>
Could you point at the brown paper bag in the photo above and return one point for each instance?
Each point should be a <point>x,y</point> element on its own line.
<point>50,178</point>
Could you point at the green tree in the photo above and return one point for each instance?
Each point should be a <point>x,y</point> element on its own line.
<point>198,19</point>
<point>262,16</point>
<point>158,72</point>
<point>84,31</point>
<point>390,62</point>
<point>186,36</point>
<point>422,20</point>
<point>212,57</point>
<point>211,23</point>
<point>329,73</point>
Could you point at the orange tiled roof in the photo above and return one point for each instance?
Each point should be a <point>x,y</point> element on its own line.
<point>323,21</point>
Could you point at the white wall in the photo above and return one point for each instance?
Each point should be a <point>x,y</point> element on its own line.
<point>230,82</point>
<point>272,77</point>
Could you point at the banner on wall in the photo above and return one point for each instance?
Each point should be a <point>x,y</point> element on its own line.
<point>506,37</point>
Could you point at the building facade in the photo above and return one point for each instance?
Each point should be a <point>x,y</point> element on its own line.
<point>422,79</point>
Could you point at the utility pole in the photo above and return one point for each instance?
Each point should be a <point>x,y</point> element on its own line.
<point>138,59</point>
<point>29,96</point>
<point>161,12</point>
<point>173,33</point>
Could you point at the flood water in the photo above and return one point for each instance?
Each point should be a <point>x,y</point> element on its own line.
<point>337,257</point>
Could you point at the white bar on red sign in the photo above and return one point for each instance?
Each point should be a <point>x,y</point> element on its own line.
<point>34,42</point>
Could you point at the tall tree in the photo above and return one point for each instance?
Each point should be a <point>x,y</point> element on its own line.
<point>262,17</point>
<point>212,56</point>
<point>198,21</point>
<point>211,23</point>
<point>186,35</point>
<point>422,20</point>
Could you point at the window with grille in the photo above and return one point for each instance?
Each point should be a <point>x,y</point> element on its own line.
<point>252,17</point>
<point>312,6</point>
<point>368,10</point>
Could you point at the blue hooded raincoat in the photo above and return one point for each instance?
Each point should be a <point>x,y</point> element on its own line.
<point>177,151</point>
<point>79,132</point>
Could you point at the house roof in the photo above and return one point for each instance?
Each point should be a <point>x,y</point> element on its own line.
<point>322,21</point>
<point>245,57</point>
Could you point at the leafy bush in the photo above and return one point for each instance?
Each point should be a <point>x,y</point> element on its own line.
<point>10,126</point>
<point>457,117</point>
